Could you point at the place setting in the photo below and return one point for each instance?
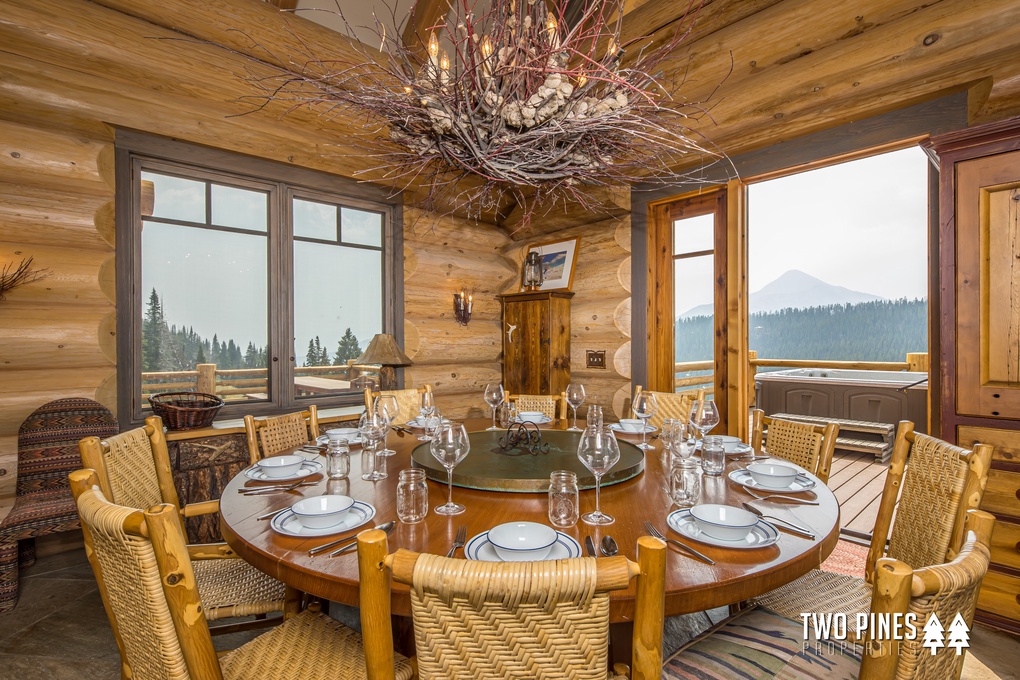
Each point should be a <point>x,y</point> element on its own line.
<point>322,516</point>
<point>723,526</point>
<point>772,476</point>
<point>521,542</point>
<point>280,470</point>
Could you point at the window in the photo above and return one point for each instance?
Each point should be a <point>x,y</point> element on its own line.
<point>252,280</point>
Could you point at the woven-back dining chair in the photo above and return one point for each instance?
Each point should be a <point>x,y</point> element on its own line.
<point>550,405</point>
<point>276,434</point>
<point>763,644</point>
<point>408,401</point>
<point>133,470</point>
<point>671,404</point>
<point>809,446</point>
<point>930,487</point>
<point>43,505</point>
<point>148,586</point>
<point>474,619</point>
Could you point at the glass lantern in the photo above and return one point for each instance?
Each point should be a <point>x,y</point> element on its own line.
<point>533,275</point>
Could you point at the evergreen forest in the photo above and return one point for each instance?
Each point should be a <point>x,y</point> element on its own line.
<point>880,330</point>
<point>167,347</point>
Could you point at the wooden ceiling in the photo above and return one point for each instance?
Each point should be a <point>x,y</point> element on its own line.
<point>766,71</point>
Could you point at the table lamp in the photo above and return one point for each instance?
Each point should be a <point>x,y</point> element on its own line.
<point>384,351</point>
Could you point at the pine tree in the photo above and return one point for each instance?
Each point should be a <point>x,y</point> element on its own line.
<point>215,349</point>
<point>324,357</point>
<point>312,355</point>
<point>152,334</point>
<point>251,356</point>
<point>347,349</point>
<point>200,356</point>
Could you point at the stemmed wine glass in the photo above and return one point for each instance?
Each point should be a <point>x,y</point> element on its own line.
<point>386,404</point>
<point>575,397</point>
<point>372,426</point>
<point>449,446</point>
<point>426,408</point>
<point>494,396</point>
<point>704,416</point>
<point>599,452</point>
<point>645,407</point>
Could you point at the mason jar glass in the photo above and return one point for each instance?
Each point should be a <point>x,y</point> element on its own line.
<point>563,499</point>
<point>412,496</point>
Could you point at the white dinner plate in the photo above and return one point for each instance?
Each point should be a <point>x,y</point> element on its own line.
<point>541,421</point>
<point>800,483</point>
<point>323,440</point>
<point>414,424</point>
<point>288,524</point>
<point>761,534</point>
<point>309,467</point>
<point>618,429</point>
<point>479,548</point>
<point>738,448</point>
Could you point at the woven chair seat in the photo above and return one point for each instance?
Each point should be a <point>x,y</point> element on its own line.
<point>310,645</point>
<point>544,403</point>
<point>39,514</point>
<point>232,587</point>
<point>819,591</point>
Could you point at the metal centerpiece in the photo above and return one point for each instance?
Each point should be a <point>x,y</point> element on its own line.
<point>520,439</point>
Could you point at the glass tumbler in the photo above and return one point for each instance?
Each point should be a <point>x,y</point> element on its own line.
<point>412,496</point>
<point>684,484</point>
<point>713,455</point>
<point>373,466</point>
<point>563,501</point>
<point>338,459</point>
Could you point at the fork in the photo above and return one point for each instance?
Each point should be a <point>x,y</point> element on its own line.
<point>658,534</point>
<point>257,491</point>
<point>790,499</point>
<point>459,540</point>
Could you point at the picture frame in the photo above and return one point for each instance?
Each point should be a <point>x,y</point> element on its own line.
<point>559,261</point>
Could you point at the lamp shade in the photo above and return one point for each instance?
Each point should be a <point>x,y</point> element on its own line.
<point>383,350</point>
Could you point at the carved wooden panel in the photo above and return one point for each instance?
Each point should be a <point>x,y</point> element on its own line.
<point>202,468</point>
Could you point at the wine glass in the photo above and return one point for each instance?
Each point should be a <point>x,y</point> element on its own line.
<point>645,407</point>
<point>575,397</point>
<point>427,406</point>
<point>386,404</point>
<point>599,452</point>
<point>372,427</point>
<point>449,447</point>
<point>494,396</point>
<point>704,416</point>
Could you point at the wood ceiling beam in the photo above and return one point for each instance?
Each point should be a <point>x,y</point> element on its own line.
<point>425,16</point>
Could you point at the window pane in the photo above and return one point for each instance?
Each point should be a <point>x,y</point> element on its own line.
<point>361,227</point>
<point>694,234</point>
<point>177,198</point>
<point>314,220</point>
<point>204,302</point>
<point>240,208</point>
<point>693,280</point>
<point>337,311</point>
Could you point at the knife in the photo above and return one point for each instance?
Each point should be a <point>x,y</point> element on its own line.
<point>385,526</point>
<point>790,526</point>
<point>589,545</point>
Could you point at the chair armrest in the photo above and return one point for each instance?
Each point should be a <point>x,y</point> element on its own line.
<point>211,551</point>
<point>203,508</point>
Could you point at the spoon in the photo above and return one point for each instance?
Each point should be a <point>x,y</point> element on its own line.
<point>609,547</point>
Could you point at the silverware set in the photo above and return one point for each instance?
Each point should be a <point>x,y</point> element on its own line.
<point>350,541</point>
<point>780,497</point>
<point>691,551</point>
<point>274,488</point>
<point>790,526</point>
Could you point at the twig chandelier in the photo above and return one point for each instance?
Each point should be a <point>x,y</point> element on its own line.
<point>512,106</point>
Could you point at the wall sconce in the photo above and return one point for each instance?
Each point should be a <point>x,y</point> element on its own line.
<point>462,307</point>
<point>533,274</point>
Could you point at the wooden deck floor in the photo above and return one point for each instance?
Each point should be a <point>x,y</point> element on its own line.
<point>857,480</point>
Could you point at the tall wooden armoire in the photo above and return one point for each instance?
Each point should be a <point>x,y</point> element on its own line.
<point>536,342</point>
<point>977,302</point>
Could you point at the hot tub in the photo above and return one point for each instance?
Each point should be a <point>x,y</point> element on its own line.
<point>874,396</point>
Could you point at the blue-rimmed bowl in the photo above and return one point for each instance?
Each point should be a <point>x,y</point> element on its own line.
<point>319,512</point>
<point>772,475</point>
<point>280,466</point>
<point>725,522</point>
<point>522,541</point>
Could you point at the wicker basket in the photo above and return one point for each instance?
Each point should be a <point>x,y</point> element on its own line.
<point>185,410</point>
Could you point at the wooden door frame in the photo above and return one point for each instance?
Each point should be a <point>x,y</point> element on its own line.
<point>730,318</point>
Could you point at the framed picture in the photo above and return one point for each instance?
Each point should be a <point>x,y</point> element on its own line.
<point>559,259</point>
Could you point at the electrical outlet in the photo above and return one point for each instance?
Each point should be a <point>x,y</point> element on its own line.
<point>595,358</point>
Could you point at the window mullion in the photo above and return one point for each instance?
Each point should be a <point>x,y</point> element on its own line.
<point>281,303</point>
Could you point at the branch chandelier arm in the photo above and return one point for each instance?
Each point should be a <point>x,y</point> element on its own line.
<point>515,99</point>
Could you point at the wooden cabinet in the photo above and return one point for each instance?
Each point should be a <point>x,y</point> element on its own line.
<point>975,299</point>
<point>536,342</point>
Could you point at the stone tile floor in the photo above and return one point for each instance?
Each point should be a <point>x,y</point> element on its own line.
<point>59,630</point>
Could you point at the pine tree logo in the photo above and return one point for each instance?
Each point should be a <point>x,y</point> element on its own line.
<point>959,635</point>
<point>933,634</point>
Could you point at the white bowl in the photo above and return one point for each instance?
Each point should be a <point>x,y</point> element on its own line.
<point>631,424</point>
<point>772,476</point>
<point>319,512</point>
<point>724,522</point>
<point>347,433</point>
<point>530,416</point>
<point>280,466</point>
<point>522,541</point>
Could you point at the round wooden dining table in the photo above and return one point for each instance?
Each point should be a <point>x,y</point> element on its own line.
<point>691,585</point>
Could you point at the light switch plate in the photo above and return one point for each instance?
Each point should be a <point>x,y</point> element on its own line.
<point>595,358</point>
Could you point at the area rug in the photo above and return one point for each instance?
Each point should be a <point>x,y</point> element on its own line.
<point>847,558</point>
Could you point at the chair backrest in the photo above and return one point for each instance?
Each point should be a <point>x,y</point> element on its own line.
<point>408,401</point>
<point>809,446</point>
<point>48,441</point>
<point>930,487</point>
<point>545,619</point>
<point>670,404</point>
<point>943,590</point>
<point>145,577</point>
<point>551,405</point>
<point>133,467</point>
<point>269,436</point>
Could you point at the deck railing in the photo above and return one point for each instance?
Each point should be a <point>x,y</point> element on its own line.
<point>235,383</point>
